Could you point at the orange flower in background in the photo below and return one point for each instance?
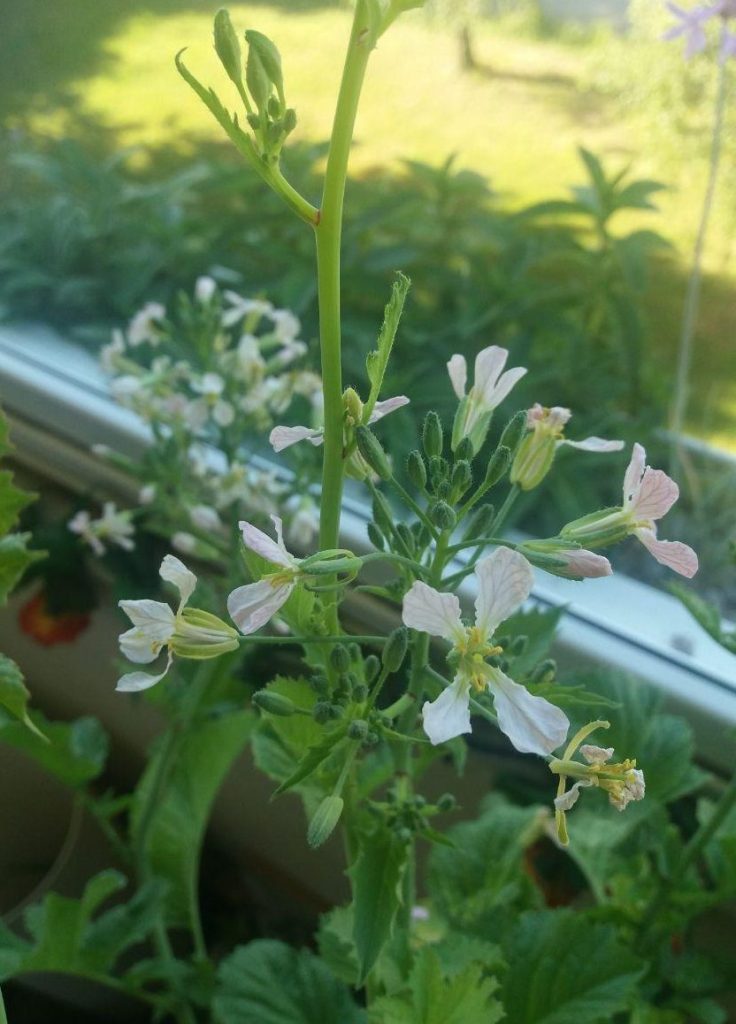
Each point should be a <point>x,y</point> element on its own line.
<point>48,629</point>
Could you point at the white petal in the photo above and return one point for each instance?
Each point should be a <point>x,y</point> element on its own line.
<point>596,755</point>
<point>488,366</point>
<point>251,606</point>
<point>381,409</point>
<point>428,610</point>
<point>457,368</point>
<point>533,725</point>
<point>155,618</point>
<point>174,571</point>
<point>595,444</point>
<point>285,437</point>
<point>258,541</point>
<point>506,383</point>
<point>449,715</point>
<point>139,647</point>
<point>505,580</point>
<point>133,682</point>
<point>570,797</point>
<point>672,553</point>
<point>587,564</point>
<point>655,496</point>
<point>634,471</point>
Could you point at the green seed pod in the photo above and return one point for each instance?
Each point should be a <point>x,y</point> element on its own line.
<point>514,431</point>
<point>339,658</point>
<point>395,648</point>
<point>371,667</point>
<point>274,703</point>
<point>432,438</point>
<point>264,67</point>
<point>480,522</point>
<point>443,516</point>
<point>324,821</point>
<point>358,729</point>
<point>464,451</point>
<point>416,469</point>
<point>371,450</point>
<point>227,47</point>
<point>497,466</point>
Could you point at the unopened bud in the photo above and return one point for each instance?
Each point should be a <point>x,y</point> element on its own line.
<point>321,711</point>
<point>371,667</point>
<point>358,729</point>
<point>497,466</point>
<point>264,68</point>
<point>461,478</point>
<point>370,448</point>
<point>514,431</point>
<point>407,537</point>
<point>518,645</point>
<point>360,693</point>
<point>395,649</point>
<point>464,451</point>
<point>416,469</point>
<point>339,658</point>
<point>446,802</point>
<point>227,46</point>
<point>288,122</point>
<point>432,439</point>
<point>274,703</point>
<point>438,470</point>
<point>324,821</point>
<point>443,516</point>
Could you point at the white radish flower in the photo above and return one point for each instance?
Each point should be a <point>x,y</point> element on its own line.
<point>145,325</point>
<point>489,389</point>
<point>504,582</point>
<point>239,308</point>
<point>187,632</point>
<point>112,527</point>
<point>284,437</point>
<point>252,605</point>
<point>204,289</point>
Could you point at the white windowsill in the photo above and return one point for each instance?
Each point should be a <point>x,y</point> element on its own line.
<point>58,404</point>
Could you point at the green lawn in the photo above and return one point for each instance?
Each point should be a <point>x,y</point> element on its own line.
<point>518,120</point>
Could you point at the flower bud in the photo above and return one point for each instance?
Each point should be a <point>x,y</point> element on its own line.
<point>514,431</point>
<point>461,478</point>
<point>200,635</point>
<point>371,450</point>
<point>352,405</point>
<point>545,671</point>
<point>443,516</point>
<point>288,122</point>
<point>533,460</point>
<point>263,71</point>
<point>339,658</point>
<point>438,470</point>
<point>274,703</point>
<point>518,645</point>
<point>464,451</point>
<point>227,46</point>
<point>432,438</point>
<point>358,729</point>
<point>371,667</point>
<point>416,469</point>
<point>446,802</point>
<point>360,693</point>
<point>497,466</point>
<point>395,649</point>
<point>324,821</point>
<point>321,711</point>
<point>406,535</point>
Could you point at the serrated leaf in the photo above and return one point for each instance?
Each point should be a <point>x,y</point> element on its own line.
<point>564,967</point>
<point>14,694</point>
<point>12,502</point>
<point>314,757</point>
<point>336,945</point>
<point>376,878</point>
<point>435,998</point>
<point>377,360</point>
<point>14,560</point>
<point>175,832</point>
<point>268,982</point>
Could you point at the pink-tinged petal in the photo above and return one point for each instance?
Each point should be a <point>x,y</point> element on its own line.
<point>381,409</point>
<point>154,618</point>
<point>285,437</point>
<point>457,368</point>
<point>634,471</point>
<point>595,444</point>
<point>449,715</point>
<point>568,799</point>
<point>428,610</point>
<point>533,725</point>
<point>134,682</point>
<point>251,606</point>
<point>655,496</point>
<point>174,571</point>
<point>505,580</point>
<point>672,553</point>
<point>596,755</point>
<point>586,564</point>
<point>258,541</point>
<point>488,366</point>
<point>508,380</point>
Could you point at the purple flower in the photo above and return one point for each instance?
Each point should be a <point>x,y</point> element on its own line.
<point>691,25</point>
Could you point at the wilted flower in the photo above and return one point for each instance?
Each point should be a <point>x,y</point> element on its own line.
<point>489,389</point>
<point>188,632</point>
<point>505,581</point>
<point>112,527</point>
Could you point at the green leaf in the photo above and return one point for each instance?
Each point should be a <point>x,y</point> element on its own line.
<point>376,879</point>
<point>14,560</point>
<point>75,752</point>
<point>14,695</point>
<point>268,982</point>
<point>706,615</point>
<point>176,830</point>
<point>377,361</point>
<point>336,945</point>
<point>564,967</point>
<point>435,998</point>
<point>316,755</point>
<point>12,502</point>
<point>479,886</point>
<point>539,627</point>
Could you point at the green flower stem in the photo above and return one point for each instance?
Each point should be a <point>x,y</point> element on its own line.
<point>503,512</point>
<point>328,233</point>
<point>692,298</point>
<point>398,540</point>
<point>378,556</point>
<point>377,641</point>
<point>485,541</point>
<point>418,512</point>
<point>495,529</point>
<point>3,1015</point>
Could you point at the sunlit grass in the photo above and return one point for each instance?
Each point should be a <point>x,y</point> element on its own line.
<point>518,121</point>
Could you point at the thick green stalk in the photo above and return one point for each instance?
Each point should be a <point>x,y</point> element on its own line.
<point>692,298</point>
<point>328,233</point>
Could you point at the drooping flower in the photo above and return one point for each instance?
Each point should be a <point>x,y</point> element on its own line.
<point>187,632</point>
<point>489,389</point>
<point>252,605</point>
<point>504,582</point>
<point>623,781</point>
<point>690,26</point>
<point>112,527</point>
<point>284,437</point>
<point>534,457</point>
